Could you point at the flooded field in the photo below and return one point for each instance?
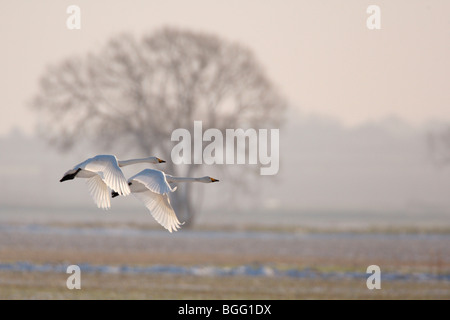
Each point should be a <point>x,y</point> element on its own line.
<point>125,255</point>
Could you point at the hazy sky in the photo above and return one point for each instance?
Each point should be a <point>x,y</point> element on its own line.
<point>319,53</point>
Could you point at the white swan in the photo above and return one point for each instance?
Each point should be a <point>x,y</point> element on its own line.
<point>152,187</point>
<point>104,171</point>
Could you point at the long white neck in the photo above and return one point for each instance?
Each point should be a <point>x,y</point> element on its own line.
<point>123,163</point>
<point>181,179</point>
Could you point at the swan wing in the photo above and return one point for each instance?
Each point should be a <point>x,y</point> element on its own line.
<point>107,168</point>
<point>160,208</point>
<point>153,180</point>
<point>99,192</point>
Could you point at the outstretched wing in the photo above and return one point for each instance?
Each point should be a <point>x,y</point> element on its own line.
<point>153,180</point>
<point>107,168</point>
<point>160,208</point>
<point>99,192</point>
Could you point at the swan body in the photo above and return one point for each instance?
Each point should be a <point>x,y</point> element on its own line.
<point>153,187</point>
<point>103,172</point>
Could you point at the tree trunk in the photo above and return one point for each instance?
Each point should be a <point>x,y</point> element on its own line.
<point>181,199</point>
<point>182,204</point>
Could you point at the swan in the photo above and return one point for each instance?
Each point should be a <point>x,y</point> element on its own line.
<point>152,187</point>
<point>103,171</point>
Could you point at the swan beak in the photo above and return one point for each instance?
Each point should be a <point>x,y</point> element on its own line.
<point>214,180</point>
<point>161,161</point>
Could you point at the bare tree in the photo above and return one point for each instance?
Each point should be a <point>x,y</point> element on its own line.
<point>439,145</point>
<point>136,92</point>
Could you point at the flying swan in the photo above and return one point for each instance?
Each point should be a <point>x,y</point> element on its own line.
<point>152,187</point>
<point>104,171</point>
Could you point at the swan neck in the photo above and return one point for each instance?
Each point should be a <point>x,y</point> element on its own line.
<point>123,163</point>
<point>182,179</point>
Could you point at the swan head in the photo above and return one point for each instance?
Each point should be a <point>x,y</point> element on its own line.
<point>155,160</point>
<point>207,180</point>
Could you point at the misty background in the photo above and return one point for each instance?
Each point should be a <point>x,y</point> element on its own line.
<point>375,167</point>
<point>361,102</point>
<point>364,173</point>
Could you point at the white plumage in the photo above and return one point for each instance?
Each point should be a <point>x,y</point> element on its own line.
<point>103,172</point>
<point>152,187</point>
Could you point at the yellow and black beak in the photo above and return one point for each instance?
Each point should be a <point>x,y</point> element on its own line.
<point>214,180</point>
<point>160,161</point>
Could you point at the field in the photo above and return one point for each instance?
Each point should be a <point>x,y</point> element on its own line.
<point>124,255</point>
<point>100,286</point>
